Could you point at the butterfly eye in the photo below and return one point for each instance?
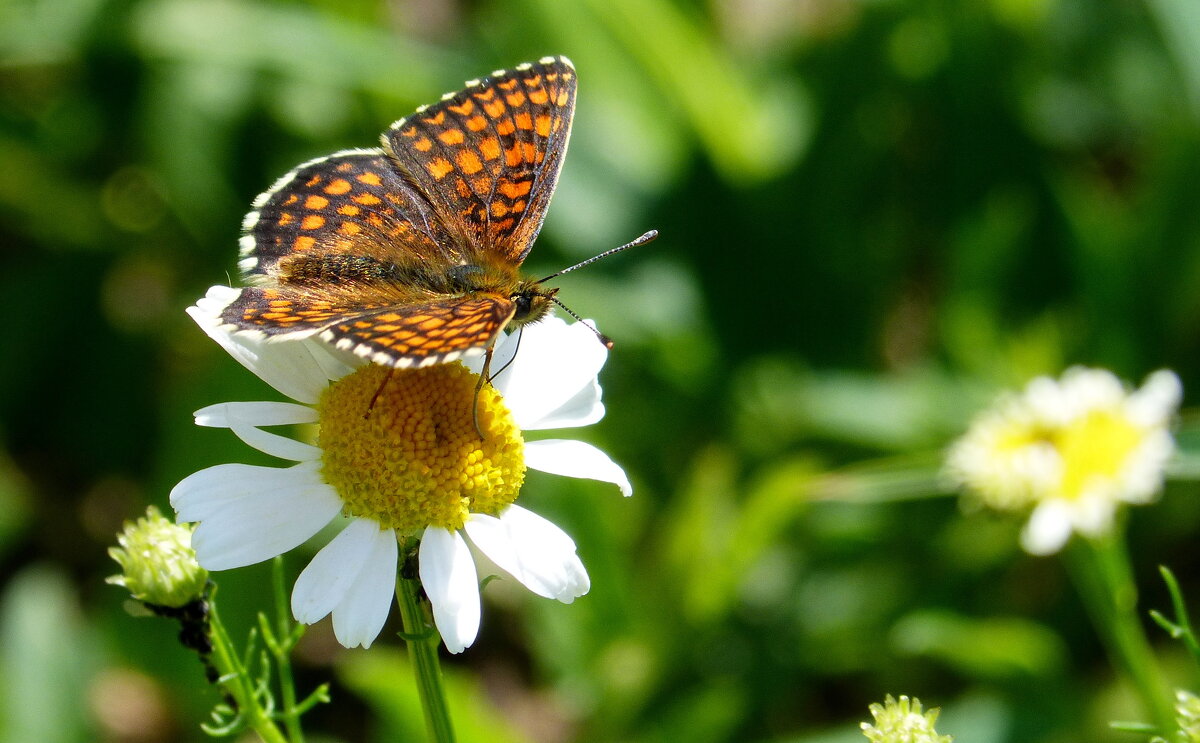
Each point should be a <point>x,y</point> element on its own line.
<point>524,303</point>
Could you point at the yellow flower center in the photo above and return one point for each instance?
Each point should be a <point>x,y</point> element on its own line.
<point>413,457</point>
<point>1096,446</point>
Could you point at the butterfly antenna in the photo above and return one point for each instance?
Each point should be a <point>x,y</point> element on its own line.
<point>640,241</point>
<point>603,338</point>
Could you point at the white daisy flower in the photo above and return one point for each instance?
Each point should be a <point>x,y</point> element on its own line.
<point>398,453</point>
<point>1070,450</point>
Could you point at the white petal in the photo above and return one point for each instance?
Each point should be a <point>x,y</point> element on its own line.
<point>250,514</point>
<point>324,582</point>
<point>449,578</point>
<point>502,353</point>
<point>1157,400</point>
<point>273,443</point>
<point>298,368</point>
<point>582,410</point>
<point>360,616</point>
<point>1048,529</point>
<point>555,362</point>
<point>575,459</point>
<point>209,491</point>
<point>255,414</point>
<point>533,550</point>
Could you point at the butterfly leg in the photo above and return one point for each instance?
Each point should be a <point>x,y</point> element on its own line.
<point>386,378</point>
<point>483,377</point>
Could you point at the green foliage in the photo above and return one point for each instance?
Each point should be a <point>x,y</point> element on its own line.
<point>874,216</point>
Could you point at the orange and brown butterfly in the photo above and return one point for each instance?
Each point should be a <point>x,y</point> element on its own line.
<point>409,255</point>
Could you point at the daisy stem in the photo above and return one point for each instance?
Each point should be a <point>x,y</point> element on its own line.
<point>423,647</point>
<point>1101,572</point>
<point>237,683</point>
<point>287,640</point>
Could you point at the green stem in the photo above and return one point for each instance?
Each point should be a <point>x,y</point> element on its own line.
<point>1101,572</point>
<point>238,683</point>
<point>283,633</point>
<point>423,647</point>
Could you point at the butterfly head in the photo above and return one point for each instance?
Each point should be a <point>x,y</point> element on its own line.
<point>532,301</point>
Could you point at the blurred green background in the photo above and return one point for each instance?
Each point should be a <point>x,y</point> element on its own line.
<point>874,215</point>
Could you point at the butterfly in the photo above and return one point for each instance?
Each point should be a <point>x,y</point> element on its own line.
<point>409,255</point>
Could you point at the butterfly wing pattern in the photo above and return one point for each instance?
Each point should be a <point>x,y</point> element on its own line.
<point>408,255</point>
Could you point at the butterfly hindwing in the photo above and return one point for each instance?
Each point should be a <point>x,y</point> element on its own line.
<point>488,157</point>
<point>423,334</point>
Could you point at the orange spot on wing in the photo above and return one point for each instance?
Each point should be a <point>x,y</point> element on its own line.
<point>469,162</point>
<point>285,219</point>
<point>367,199</point>
<point>499,209</point>
<point>338,186</point>
<point>523,121</point>
<point>303,243</point>
<point>541,125</point>
<point>316,202</point>
<point>490,148</point>
<point>452,136</point>
<point>539,96</point>
<point>348,210</point>
<point>515,100</point>
<point>463,109</point>
<point>507,84</point>
<point>312,222</point>
<point>423,145</point>
<point>505,128</point>
<point>439,168</point>
<point>514,190</point>
<point>477,123</point>
<point>350,228</point>
<point>371,179</point>
<point>494,108</point>
<point>533,82</point>
<point>437,120</point>
<point>512,156</point>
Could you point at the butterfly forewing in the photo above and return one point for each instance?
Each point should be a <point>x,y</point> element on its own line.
<point>488,157</point>
<point>350,203</point>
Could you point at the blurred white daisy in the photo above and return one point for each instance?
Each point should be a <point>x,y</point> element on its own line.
<point>398,453</point>
<point>1071,450</point>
